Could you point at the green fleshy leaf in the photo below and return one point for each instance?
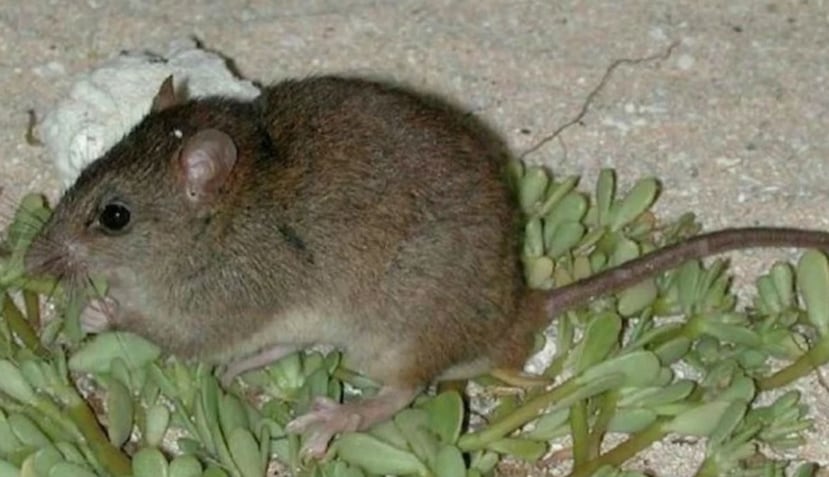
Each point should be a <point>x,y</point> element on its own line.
<point>605,193</point>
<point>581,268</point>
<point>638,368</point>
<point>388,432</point>
<point>600,338</point>
<point>671,351</point>
<point>549,425</point>
<point>555,193</point>
<point>741,388</point>
<point>312,362</point>
<point>376,456</point>
<point>687,283</point>
<point>264,438</point>
<point>8,440</point>
<point>287,372</point>
<point>157,422</point>
<point>14,384</point>
<point>209,405</point>
<point>8,470</point>
<point>445,416</point>
<point>525,449</point>
<point>214,471</point>
<point>736,334</point>
<point>484,461</point>
<point>531,189</point>
<point>245,452</point>
<point>782,275</point>
<point>27,432</point>
<point>571,208</point>
<point>636,298</point>
<point>449,462</point>
<point>161,379</point>
<point>119,405</point>
<point>70,452</point>
<point>593,386</point>
<point>538,272</point>
<point>637,201</point>
<point>657,395</point>
<point>701,420</point>
<point>341,469</point>
<point>562,238</point>
<point>631,420</point>
<point>97,355</point>
<point>731,418</point>
<point>121,372</point>
<point>33,373</point>
<point>189,446</point>
<point>149,462</point>
<point>591,240</point>
<point>44,459</point>
<point>185,466</point>
<point>533,239</point>
<point>625,250</point>
<point>68,469</point>
<point>514,172</point>
<point>28,219</point>
<point>767,293</point>
<point>232,415</point>
<point>414,425</point>
<point>813,283</point>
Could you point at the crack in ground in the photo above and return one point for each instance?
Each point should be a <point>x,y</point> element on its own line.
<point>588,101</point>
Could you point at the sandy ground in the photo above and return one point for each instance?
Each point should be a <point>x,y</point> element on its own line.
<point>733,118</point>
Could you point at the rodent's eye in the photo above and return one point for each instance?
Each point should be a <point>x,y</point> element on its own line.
<point>114,217</point>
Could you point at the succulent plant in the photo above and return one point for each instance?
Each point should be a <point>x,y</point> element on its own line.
<point>615,370</point>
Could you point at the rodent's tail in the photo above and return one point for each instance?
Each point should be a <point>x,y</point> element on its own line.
<point>630,273</point>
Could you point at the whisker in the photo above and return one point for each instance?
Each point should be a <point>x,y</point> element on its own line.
<point>11,206</point>
<point>94,289</point>
<point>60,278</point>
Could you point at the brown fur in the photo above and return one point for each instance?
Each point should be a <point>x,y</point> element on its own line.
<point>357,214</point>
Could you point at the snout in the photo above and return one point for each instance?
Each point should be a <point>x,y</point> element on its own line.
<point>45,258</point>
<point>34,260</point>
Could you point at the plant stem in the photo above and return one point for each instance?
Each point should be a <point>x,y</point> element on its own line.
<point>804,365</point>
<point>607,409</point>
<point>579,430</point>
<point>111,458</point>
<point>32,306</point>
<point>624,451</point>
<point>517,418</point>
<point>46,408</point>
<point>22,328</point>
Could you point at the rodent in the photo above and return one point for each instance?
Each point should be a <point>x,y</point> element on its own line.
<point>334,210</point>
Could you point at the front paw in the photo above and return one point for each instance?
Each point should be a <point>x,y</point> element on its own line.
<point>99,315</point>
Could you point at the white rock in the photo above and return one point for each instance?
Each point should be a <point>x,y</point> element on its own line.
<point>108,102</point>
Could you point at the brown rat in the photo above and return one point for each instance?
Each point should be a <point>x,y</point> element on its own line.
<point>329,210</point>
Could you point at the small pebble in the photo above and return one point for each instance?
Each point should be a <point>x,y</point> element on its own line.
<point>685,62</point>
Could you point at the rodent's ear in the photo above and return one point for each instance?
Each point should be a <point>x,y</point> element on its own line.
<point>205,163</point>
<point>165,97</point>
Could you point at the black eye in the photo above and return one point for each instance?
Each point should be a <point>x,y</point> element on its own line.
<point>114,217</point>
